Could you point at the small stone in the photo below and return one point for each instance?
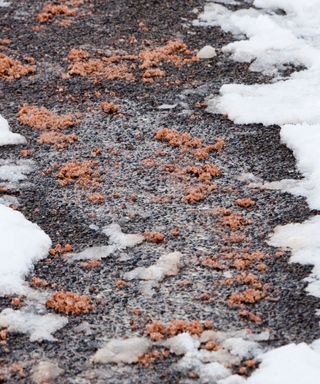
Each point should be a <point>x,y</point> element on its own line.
<point>206,52</point>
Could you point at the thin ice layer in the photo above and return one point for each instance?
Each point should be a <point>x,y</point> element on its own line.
<point>6,136</point>
<point>22,243</point>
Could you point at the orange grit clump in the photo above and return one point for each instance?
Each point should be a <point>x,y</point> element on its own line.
<point>158,331</point>
<point>176,139</point>
<point>249,296</point>
<point>12,69</point>
<point>96,198</point>
<point>36,282</point>
<point>187,143</point>
<point>250,316</point>
<point>150,357</point>
<point>109,68</point>
<point>198,193</point>
<point>83,174</point>
<point>50,11</point>
<point>91,264</point>
<point>59,249</point>
<point>25,153</point>
<point>41,118</point>
<point>16,302</point>
<point>235,222</point>
<point>174,52</point>
<point>69,303</point>
<point>109,108</point>
<point>154,237</point>
<point>213,263</point>
<point>59,140</point>
<point>245,203</point>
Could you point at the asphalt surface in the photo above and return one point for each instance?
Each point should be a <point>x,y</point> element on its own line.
<point>133,188</point>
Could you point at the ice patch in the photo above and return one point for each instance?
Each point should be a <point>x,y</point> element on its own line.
<point>21,244</point>
<point>122,351</point>
<point>6,136</point>
<point>39,327</point>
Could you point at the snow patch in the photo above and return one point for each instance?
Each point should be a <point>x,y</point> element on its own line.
<point>46,372</point>
<point>6,136</point>
<point>39,327</point>
<point>117,241</point>
<point>122,351</point>
<point>167,265</point>
<point>182,344</point>
<point>16,171</point>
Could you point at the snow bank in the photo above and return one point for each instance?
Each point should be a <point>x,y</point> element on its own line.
<point>293,363</point>
<point>39,327</point>
<point>122,351</point>
<point>304,241</point>
<point>6,136</point>
<point>22,243</point>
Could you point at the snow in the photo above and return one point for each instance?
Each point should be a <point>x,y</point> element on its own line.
<point>6,136</point>
<point>39,327</point>
<point>293,363</point>
<point>240,347</point>
<point>122,351</point>
<point>182,344</point>
<point>167,265</point>
<point>16,171</point>
<point>117,241</point>
<point>46,372</point>
<point>207,52</point>
<point>19,256</point>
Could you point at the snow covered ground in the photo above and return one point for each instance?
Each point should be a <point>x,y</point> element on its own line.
<point>271,41</point>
